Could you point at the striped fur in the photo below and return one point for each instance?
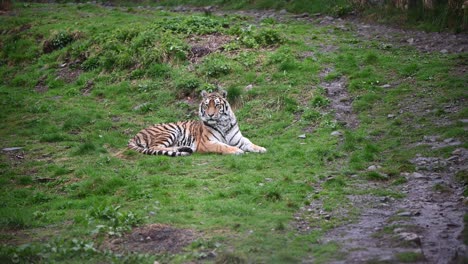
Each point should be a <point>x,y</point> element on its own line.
<point>217,132</point>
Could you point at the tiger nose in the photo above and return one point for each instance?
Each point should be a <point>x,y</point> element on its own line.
<point>210,115</point>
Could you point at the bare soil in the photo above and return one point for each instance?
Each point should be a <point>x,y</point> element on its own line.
<point>340,100</point>
<point>153,238</point>
<point>201,46</point>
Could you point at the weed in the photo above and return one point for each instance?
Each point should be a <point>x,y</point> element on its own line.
<point>375,176</point>
<point>58,41</point>
<point>215,66</point>
<point>319,101</point>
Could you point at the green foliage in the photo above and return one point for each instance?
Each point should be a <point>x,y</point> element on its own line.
<point>215,66</point>
<point>19,48</point>
<point>319,101</point>
<point>60,40</point>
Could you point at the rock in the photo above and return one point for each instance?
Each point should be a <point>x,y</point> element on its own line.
<point>464,121</point>
<point>449,140</point>
<point>12,149</point>
<point>431,138</point>
<point>452,159</point>
<point>410,41</point>
<point>405,214</point>
<point>390,116</point>
<point>336,133</point>
<point>384,199</point>
<point>248,87</point>
<point>373,167</point>
<point>303,136</point>
<point>444,51</point>
<point>283,12</point>
<point>398,230</point>
<point>386,86</point>
<point>418,176</point>
<point>303,15</point>
<point>410,237</point>
<point>268,179</point>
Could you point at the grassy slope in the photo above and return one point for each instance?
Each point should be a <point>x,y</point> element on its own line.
<point>243,203</point>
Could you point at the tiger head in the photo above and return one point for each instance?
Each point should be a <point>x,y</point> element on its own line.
<point>215,109</point>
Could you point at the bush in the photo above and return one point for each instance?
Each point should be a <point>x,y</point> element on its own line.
<point>215,66</point>
<point>58,41</point>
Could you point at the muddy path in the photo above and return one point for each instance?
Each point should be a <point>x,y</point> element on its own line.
<point>427,223</point>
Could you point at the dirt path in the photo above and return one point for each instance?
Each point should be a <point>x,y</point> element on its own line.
<point>426,224</point>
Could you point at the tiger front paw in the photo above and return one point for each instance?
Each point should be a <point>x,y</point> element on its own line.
<point>259,149</point>
<point>262,150</point>
<point>239,152</point>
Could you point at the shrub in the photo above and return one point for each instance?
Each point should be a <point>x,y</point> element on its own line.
<point>58,41</point>
<point>215,66</point>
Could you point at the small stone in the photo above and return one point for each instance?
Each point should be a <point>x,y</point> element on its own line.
<point>283,12</point>
<point>457,152</point>
<point>453,159</point>
<point>303,136</point>
<point>373,167</point>
<point>405,214</point>
<point>390,116</point>
<point>336,133</point>
<point>268,179</point>
<point>303,15</point>
<point>327,217</point>
<point>444,51</point>
<point>418,176</point>
<point>431,138</point>
<point>12,149</point>
<point>384,199</point>
<point>386,86</point>
<point>410,237</point>
<point>398,230</point>
<point>410,41</point>
<point>248,87</point>
<point>464,121</point>
<point>449,140</point>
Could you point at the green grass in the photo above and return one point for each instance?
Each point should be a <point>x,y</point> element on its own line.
<point>134,70</point>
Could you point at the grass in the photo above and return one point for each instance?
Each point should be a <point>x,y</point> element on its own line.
<point>134,66</point>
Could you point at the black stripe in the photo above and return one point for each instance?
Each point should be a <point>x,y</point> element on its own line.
<point>233,136</point>
<point>232,126</point>
<point>237,142</point>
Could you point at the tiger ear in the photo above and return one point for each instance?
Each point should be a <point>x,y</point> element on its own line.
<point>223,93</point>
<point>204,94</point>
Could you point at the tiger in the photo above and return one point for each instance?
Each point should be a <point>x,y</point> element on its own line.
<point>216,132</point>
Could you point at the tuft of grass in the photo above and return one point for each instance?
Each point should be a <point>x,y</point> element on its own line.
<point>409,257</point>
